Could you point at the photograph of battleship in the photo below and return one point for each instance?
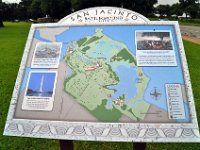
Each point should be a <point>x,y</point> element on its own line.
<point>41,84</point>
<point>47,50</point>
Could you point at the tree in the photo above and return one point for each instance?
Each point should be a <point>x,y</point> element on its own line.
<point>176,10</point>
<point>193,10</point>
<point>144,7</point>
<point>56,9</point>
<point>24,9</point>
<point>186,6</point>
<point>163,10</point>
<point>64,8</point>
<point>11,11</point>
<point>35,9</point>
<point>1,14</point>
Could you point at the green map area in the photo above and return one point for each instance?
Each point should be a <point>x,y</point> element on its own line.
<point>96,82</point>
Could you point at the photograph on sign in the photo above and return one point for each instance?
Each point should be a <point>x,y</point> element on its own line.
<point>155,48</point>
<point>154,41</point>
<point>39,94</point>
<point>46,55</point>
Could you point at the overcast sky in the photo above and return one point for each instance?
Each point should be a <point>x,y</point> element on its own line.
<point>170,2</point>
<point>11,1</point>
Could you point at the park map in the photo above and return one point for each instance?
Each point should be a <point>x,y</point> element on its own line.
<point>97,82</point>
<point>98,70</point>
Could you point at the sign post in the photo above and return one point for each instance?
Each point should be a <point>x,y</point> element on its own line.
<point>66,145</point>
<point>104,74</point>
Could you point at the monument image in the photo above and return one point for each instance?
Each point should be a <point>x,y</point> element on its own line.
<point>41,84</point>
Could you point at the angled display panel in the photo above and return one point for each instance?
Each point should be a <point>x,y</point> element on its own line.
<point>104,82</point>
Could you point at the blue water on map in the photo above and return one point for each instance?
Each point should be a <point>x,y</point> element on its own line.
<point>25,79</point>
<point>38,37</point>
<point>119,33</point>
<point>68,72</point>
<point>63,51</point>
<point>127,84</point>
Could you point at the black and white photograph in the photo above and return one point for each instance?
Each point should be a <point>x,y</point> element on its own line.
<point>46,55</point>
<point>47,50</point>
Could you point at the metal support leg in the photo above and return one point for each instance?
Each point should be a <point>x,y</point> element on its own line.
<point>139,146</point>
<point>66,145</point>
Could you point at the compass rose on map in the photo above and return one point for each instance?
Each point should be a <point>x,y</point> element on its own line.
<point>155,94</point>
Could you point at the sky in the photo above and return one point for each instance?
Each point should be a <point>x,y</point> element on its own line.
<point>170,2</point>
<point>48,83</point>
<point>11,1</point>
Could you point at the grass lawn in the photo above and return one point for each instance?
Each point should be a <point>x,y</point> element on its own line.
<point>190,22</point>
<point>12,41</point>
<point>187,22</point>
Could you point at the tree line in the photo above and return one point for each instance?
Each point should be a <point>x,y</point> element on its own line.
<point>188,7</point>
<point>27,9</point>
<point>57,9</point>
<point>60,8</point>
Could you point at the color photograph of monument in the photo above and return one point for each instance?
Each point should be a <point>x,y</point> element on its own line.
<point>41,84</point>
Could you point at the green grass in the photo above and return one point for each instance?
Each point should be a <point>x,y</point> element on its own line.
<point>188,23</point>
<point>12,41</point>
<point>191,22</point>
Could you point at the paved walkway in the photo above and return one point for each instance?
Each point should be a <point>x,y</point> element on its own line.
<point>191,39</point>
<point>191,33</point>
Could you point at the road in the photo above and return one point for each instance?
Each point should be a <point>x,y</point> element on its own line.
<point>192,31</point>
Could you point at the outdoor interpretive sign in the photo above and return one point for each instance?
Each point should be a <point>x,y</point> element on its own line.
<point>106,74</point>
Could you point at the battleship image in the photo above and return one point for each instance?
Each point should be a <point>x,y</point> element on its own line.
<point>46,55</point>
<point>47,50</point>
<point>41,84</point>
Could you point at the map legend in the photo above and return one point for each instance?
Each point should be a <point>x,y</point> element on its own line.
<point>175,101</point>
